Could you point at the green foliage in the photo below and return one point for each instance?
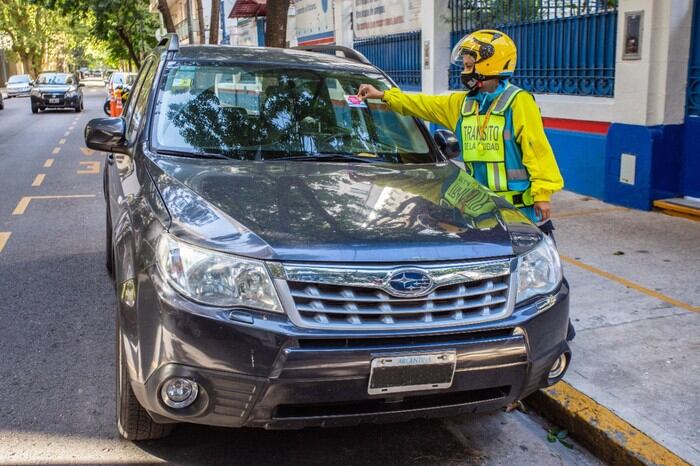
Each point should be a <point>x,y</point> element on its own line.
<point>126,28</point>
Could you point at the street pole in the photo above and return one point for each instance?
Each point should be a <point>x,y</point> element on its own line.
<point>225,38</point>
<point>190,27</point>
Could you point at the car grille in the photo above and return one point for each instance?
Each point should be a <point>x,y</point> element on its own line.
<point>339,306</point>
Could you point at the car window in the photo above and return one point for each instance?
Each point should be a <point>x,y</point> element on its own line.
<point>18,79</point>
<point>141,102</point>
<point>254,112</point>
<point>52,78</point>
<point>129,108</point>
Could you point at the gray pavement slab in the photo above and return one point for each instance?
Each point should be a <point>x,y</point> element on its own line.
<point>57,344</point>
<point>635,353</point>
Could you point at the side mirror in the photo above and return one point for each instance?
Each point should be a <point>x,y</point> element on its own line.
<point>106,135</point>
<point>447,143</point>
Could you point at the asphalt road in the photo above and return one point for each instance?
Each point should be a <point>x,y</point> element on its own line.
<point>57,339</point>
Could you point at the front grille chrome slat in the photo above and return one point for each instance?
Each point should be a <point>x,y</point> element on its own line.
<point>312,292</point>
<point>329,304</point>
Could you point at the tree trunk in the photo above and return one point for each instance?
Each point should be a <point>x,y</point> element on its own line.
<point>276,27</point>
<point>27,64</point>
<point>167,17</point>
<point>129,46</point>
<point>214,22</point>
<point>200,20</point>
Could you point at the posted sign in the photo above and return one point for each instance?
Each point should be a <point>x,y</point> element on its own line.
<point>384,17</point>
<point>314,22</point>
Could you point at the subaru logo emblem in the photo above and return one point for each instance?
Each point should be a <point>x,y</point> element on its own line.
<point>410,283</point>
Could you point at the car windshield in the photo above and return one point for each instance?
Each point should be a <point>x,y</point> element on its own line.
<point>52,78</point>
<point>18,79</point>
<point>253,112</point>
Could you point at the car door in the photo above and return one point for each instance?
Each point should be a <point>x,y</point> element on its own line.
<point>120,167</point>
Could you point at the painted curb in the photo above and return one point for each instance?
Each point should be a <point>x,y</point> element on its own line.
<point>604,433</point>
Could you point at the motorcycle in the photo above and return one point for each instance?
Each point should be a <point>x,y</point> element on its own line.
<point>126,90</point>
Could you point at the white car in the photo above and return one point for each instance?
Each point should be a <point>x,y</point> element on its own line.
<point>19,84</point>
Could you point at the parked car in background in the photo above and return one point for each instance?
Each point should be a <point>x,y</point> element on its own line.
<point>286,255</point>
<point>56,90</point>
<point>19,85</point>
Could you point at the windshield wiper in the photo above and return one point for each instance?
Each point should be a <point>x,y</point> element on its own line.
<point>327,157</point>
<point>193,155</point>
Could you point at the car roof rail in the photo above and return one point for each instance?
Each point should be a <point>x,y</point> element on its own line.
<point>171,42</point>
<point>347,52</point>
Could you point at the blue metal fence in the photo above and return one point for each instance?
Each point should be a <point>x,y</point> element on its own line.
<point>693,107</point>
<point>564,46</point>
<point>399,55</point>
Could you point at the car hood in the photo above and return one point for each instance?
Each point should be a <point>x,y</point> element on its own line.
<point>53,87</point>
<point>336,212</point>
<point>17,85</point>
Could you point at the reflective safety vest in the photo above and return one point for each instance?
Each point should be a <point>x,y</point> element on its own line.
<point>490,151</point>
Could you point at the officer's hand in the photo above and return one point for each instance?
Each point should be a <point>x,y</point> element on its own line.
<point>542,210</point>
<point>368,91</point>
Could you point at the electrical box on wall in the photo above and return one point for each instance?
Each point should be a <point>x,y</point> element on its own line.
<point>628,165</point>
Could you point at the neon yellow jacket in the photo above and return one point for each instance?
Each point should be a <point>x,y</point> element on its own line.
<point>445,110</point>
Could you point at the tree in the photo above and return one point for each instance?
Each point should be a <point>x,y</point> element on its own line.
<point>214,22</point>
<point>126,26</point>
<point>29,29</point>
<point>200,20</point>
<point>276,27</point>
<point>167,17</point>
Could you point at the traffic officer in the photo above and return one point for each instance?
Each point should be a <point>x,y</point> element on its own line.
<point>498,125</point>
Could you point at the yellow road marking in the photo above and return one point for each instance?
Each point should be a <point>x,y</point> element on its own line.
<point>62,141</point>
<point>590,212</point>
<point>86,151</point>
<point>4,237</point>
<point>71,127</point>
<point>48,163</point>
<point>614,439</point>
<point>66,133</point>
<point>38,180</point>
<point>629,284</point>
<point>56,150</point>
<point>93,168</point>
<point>24,202</point>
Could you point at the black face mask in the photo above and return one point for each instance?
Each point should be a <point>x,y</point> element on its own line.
<point>470,81</point>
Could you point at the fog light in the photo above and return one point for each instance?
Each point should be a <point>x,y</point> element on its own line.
<point>179,393</point>
<point>558,368</point>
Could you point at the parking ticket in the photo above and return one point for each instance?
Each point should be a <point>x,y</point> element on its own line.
<point>354,101</point>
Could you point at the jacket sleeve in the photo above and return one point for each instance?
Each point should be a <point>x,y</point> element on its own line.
<point>441,109</point>
<point>538,156</point>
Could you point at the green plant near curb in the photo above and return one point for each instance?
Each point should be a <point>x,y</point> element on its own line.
<point>556,434</point>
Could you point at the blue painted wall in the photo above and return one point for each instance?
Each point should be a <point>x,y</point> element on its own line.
<point>581,160</point>
<point>691,157</point>
<point>659,164</point>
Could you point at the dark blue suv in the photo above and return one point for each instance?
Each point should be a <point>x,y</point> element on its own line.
<point>285,255</point>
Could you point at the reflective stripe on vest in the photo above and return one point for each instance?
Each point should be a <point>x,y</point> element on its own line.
<point>489,147</point>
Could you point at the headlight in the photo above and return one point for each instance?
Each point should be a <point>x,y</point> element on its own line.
<point>539,271</point>
<point>36,92</point>
<point>214,278</point>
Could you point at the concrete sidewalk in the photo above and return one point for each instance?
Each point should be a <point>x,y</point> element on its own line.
<point>635,302</point>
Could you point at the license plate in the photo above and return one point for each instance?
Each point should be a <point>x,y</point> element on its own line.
<point>54,101</point>
<point>411,372</point>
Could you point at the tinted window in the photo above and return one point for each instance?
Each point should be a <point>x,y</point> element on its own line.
<point>141,102</point>
<point>53,78</point>
<point>18,79</point>
<point>252,112</point>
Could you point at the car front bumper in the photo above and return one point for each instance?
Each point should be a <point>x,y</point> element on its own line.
<point>263,371</point>
<point>60,101</point>
<point>18,92</point>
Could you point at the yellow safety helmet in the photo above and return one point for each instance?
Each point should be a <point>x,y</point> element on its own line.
<point>495,54</point>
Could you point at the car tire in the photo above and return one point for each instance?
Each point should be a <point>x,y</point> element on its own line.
<point>133,421</point>
<point>78,107</point>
